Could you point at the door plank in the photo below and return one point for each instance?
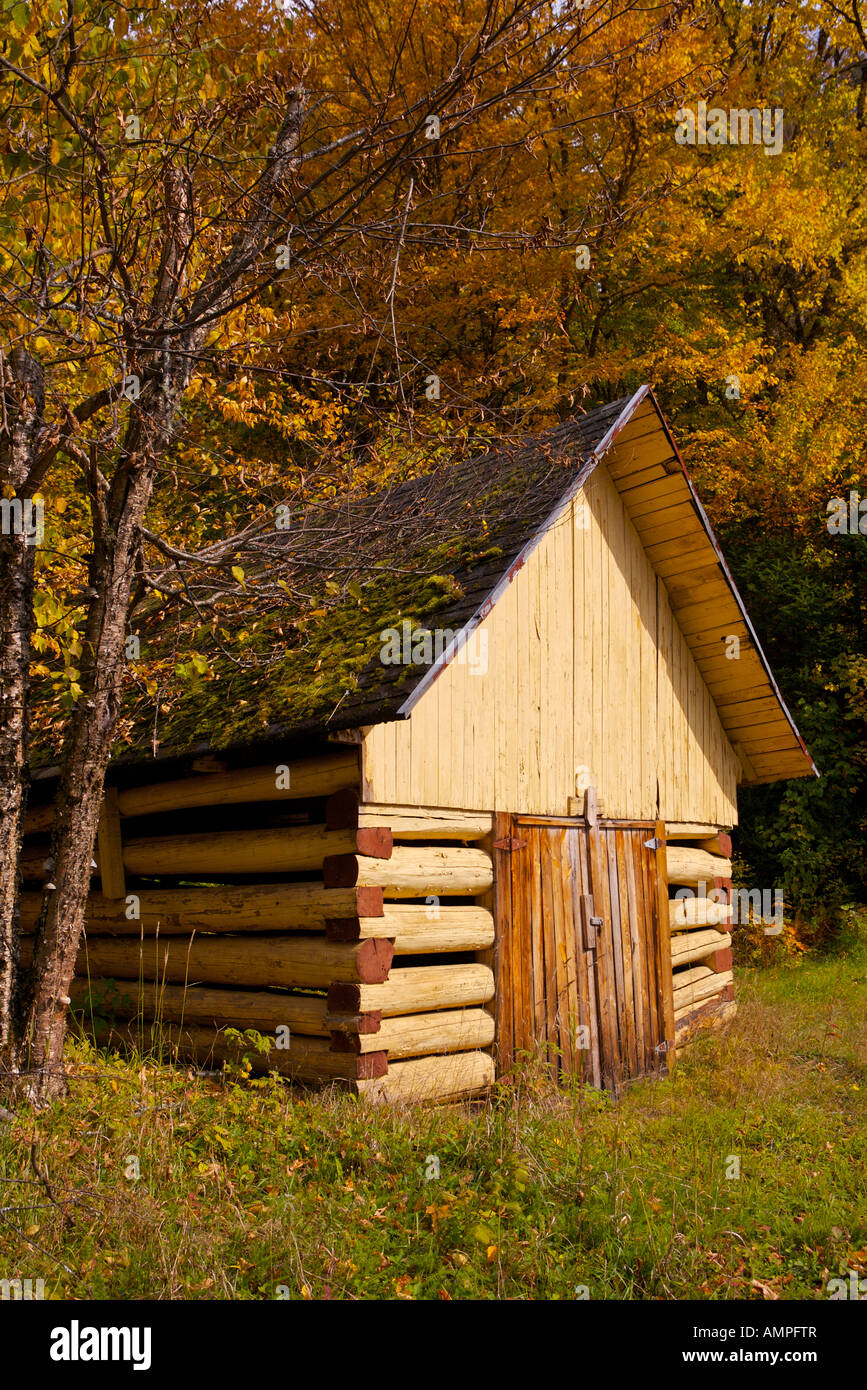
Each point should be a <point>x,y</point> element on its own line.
<point>635,873</point>
<point>587,1060</point>
<point>545,931</point>
<point>616,939</point>
<point>564,948</point>
<point>663,947</point>
<point>503,947</point>
<point>627,929</point>
<point>655,1024</point>
<point>536,924</point>
<point>608,1042</point>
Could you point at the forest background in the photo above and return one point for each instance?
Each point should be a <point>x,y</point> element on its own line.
<point>457,310</point>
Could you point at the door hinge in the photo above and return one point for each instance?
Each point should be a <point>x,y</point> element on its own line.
<point>661,1047</point>
<point>510,843</point>
<point>655,843</point>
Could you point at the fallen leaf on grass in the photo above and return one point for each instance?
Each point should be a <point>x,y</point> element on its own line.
<point>767,1291</point>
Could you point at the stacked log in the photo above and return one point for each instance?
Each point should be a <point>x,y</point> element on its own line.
<point>284,849</point>
<point>699,860</point>
<point>262,1009</point>
<point>283,907</point>
<point>432,1079</point>
<point>429,1019</point>
<point>306,959</point>
<point>307,777</point>
<point>290,962</point>
<point>308,1059</point>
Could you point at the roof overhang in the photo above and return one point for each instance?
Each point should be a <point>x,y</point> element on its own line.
<point>660,500</point>
<point>663,506</point>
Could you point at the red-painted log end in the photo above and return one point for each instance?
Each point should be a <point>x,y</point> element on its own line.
<point>373,959</point>
<point>376,842</point>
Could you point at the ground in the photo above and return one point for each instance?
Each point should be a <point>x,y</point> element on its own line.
<point>150,1182</point>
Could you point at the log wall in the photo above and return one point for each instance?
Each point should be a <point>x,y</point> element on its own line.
<point>698,858</point>
<point>345,934</point>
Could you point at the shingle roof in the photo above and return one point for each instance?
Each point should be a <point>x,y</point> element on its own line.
<point>435,545</point>
<point>437,551</point>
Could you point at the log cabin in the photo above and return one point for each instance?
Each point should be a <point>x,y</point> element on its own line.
<point>439,823</point>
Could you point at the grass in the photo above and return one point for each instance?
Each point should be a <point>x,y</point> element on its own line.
<point>246,1190</point>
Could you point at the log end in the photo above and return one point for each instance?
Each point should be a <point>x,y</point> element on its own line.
<point>373,958</point>
<point>375,842</point>
<point>340,870</point>
<point>344,999</point>
<point>368,903</point>
<point>341,810</point>
<point>369,1022</point>
<point>342,929</point>
<point>371,1065</point>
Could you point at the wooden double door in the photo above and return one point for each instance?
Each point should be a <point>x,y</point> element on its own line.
<point>582,956</point>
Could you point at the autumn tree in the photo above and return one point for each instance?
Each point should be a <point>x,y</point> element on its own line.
<point>591,252</point>
<point>166,173</point>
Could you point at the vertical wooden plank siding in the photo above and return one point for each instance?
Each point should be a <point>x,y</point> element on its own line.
<point>552,977</point>
<point>564,949</point>
<point>630,1004</point>
<point>615,936</point>
<point>663,944</point>
<point>546,986</point>
<point>650,911</point>
<point>642,928</point>
<point>609,1044</point>
<point>586,667</point>
<point>581,628</point>
<point>504,919</point>
<point>531,860</point>
<point>523,1002</point>
<point>587,1060</point>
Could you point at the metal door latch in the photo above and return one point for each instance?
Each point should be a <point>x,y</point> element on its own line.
<point>594,925</point>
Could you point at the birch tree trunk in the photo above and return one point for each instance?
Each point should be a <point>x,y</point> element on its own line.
<point>118,513</point>
<point>21,388</point>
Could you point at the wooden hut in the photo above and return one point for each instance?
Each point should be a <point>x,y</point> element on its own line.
<point>455,836</point>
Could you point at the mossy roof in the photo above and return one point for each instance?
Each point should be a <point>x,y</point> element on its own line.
<point>430,550</point>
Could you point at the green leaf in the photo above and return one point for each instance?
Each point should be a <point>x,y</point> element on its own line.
<point>483,1234</point>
